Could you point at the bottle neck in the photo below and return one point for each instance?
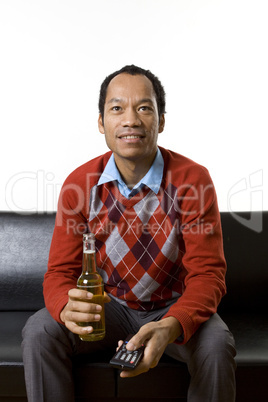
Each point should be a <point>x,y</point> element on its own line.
<point>89,254</point>
<point>89,262</point>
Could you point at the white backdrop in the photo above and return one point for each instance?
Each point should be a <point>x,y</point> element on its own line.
<point>210,55</point>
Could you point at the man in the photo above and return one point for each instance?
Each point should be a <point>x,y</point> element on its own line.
<point>155,217</point>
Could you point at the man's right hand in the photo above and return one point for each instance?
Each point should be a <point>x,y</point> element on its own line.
<point>80,309</point>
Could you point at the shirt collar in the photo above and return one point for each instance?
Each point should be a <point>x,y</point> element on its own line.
<point>152,179</point>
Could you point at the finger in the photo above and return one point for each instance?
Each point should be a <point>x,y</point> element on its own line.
<point>120,343</point>
<point>150,359</point>
<point>138,340</point>
<point>76,316</point>
<point>83,306</point>
<point>141,368</point>
<point>80,294</point>
<point>147,362</point>
<point>76,329</point>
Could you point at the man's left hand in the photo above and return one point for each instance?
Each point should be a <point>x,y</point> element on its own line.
<point>155,336</point>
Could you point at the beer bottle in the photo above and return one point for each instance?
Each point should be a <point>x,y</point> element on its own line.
<point>92,282</point>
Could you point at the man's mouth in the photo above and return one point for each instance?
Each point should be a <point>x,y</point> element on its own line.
<point>130,137</point>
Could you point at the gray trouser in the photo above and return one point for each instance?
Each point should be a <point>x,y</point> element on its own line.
<point>48,348</point>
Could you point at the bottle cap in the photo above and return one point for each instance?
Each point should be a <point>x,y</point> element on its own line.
<point>89,237</point>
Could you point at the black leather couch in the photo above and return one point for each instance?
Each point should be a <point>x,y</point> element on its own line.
<point>24,247</point>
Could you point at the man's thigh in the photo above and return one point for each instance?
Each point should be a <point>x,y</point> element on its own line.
<point>41,327</point>
<point>118,324</point>
<point>213,336</point>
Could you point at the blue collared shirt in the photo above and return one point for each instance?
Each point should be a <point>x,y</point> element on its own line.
<point>152,179</point>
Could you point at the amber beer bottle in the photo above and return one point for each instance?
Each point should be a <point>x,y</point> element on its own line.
<point>92,282</point>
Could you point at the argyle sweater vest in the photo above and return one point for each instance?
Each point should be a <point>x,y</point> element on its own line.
<point>137,245</point>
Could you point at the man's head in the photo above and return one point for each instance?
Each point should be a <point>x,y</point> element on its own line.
<point>134,70</point>
<point>130,120</point>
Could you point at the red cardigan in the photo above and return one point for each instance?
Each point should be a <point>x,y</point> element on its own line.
<point>182,261</point>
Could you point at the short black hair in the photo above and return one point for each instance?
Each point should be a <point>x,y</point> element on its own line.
<point>134,70</point>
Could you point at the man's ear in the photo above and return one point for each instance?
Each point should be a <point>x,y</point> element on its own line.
<point>100,125</point>
<point>161,123</point>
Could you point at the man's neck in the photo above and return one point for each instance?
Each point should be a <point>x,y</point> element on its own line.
<point>132,171</point>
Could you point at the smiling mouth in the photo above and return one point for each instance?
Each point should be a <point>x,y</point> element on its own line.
<point>131,137</point>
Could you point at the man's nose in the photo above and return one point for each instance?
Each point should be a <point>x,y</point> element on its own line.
<point>130,118</point>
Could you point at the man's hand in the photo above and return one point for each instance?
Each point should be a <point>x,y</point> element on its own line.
<point>155,336</point>
<point>80,309</point>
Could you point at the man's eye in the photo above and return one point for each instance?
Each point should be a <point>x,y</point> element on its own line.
<point>116,108</point>
<point>145,108</point>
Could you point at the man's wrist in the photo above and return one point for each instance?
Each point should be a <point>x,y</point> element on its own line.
<point>174,327</point>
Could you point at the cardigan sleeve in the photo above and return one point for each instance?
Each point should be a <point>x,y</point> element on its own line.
<point>202,254</point>
<point>65,257</point>
<point>66,250</point>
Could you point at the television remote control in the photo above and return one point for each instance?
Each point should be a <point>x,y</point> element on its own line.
<point>126,359</point>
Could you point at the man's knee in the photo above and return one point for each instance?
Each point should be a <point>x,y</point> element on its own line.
<point>215,342</point>
<point>39,327</point>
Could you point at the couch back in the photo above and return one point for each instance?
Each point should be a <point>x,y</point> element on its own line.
<point>245,239</point>
<point>25,242</point>
<point>24,248</point>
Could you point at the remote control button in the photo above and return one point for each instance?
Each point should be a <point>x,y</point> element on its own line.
<point>133,359</point>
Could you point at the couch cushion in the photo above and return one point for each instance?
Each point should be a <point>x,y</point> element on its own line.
<point>12,323</point>
<point>170,373</point>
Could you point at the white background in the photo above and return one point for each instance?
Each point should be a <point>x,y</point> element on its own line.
<point>210,55</point>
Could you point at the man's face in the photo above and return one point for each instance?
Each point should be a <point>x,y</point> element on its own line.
<point>131,123</point>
